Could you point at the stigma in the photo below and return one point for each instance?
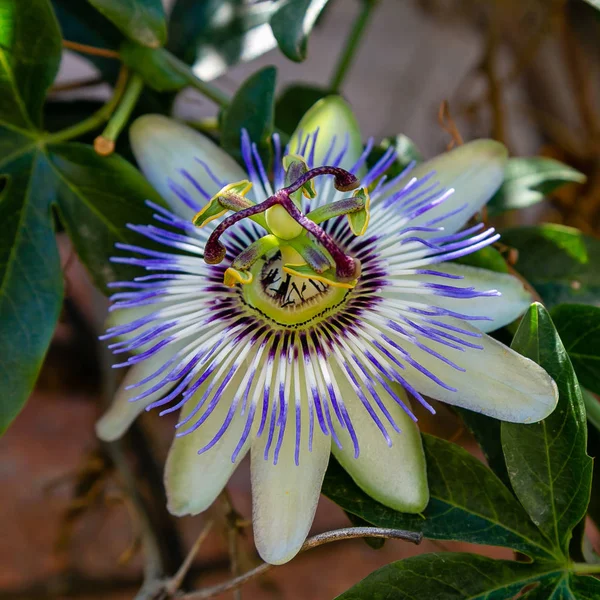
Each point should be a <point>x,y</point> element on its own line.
<point>294,237</point>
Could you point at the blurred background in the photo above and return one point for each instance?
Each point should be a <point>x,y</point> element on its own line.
<point>526,72</point>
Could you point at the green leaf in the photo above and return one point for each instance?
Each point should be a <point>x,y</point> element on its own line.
<point>449,576</point>
<point>293,104</point>
<point>97,197</point>
<point>30,52</point>
<point>562,263</point>
<point>30,279</point>
<point>214,35</point>
<point>293,23</point>
<point>528,180</point>
<point>547,462</point>
<point>585,588</point>
<point>594,450</point>
<point>579,328</point>
<point>158,68</point>
<point>252,108</point>
<point>140,20</point>
<point>468,503</point>
<point>486,431</point>
<point>30,274</point>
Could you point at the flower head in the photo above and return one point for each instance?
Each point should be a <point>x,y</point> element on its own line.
<point>306,312</point>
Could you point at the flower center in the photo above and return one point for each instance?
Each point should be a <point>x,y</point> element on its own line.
<point>307,250</point>
<point>289,300</point>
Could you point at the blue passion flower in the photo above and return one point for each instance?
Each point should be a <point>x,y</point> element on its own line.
<point>306,311</point>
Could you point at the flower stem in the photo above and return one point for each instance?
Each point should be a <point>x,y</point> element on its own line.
<point>104,144</point>
<point>352,43</point>
<point>97,119</point>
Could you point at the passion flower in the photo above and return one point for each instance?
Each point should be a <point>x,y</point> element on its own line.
<point>301,313</point>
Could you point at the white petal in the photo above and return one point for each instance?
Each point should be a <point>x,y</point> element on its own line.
<point>395,476</point>
<point>163,146</point>
<point>504,309</point>
<point>474,170</point>
<point>332,116</point>
<point>122,413</point>
<point>497,381</point>
<point>285,495</point>
<point>193,481</point>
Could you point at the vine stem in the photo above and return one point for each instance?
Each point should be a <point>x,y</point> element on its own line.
<point>98,118</point>
<point>347,533</point>
<point>583,569</point>
<point>352,43</point>
<point>85,49</point>
<point>104,144</point>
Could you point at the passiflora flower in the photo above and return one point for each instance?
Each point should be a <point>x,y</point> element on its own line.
<point>302,313</point>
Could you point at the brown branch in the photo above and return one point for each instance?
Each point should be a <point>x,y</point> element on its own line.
<point>347,533</point>
<point>494,82</point>
<point>85,49</point>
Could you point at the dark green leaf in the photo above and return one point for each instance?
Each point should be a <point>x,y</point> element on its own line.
<point>561,262</point>
<point>252,108</point>
<point>468,503</point>
<point>449,576</point>
<point>528,180</point>
<point>140,20</point>
<point>293,23</point>
<point>158,67</point>
<point>214,35</point>
<point>97,197</point>
<point>294,102</point>
<point>30,51</point>
<point>30,279</point>
<point>585,588</point>
<point>487,433</point>
<point>547,462</point>
<point>30,275</point>
<point>594,451</point>
<point>579,328</point>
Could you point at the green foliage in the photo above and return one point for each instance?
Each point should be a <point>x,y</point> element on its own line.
<point>553,486</point>
<point>253,109</point>
<point>528,180</point>
<point>579,329</point>
<point>456,576</point>
<point>158,68</point>
<point>96,196</point>
<point>215,34</point>
<point>560,262</point>
<point>292,24</point>
<point>141,20</point>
